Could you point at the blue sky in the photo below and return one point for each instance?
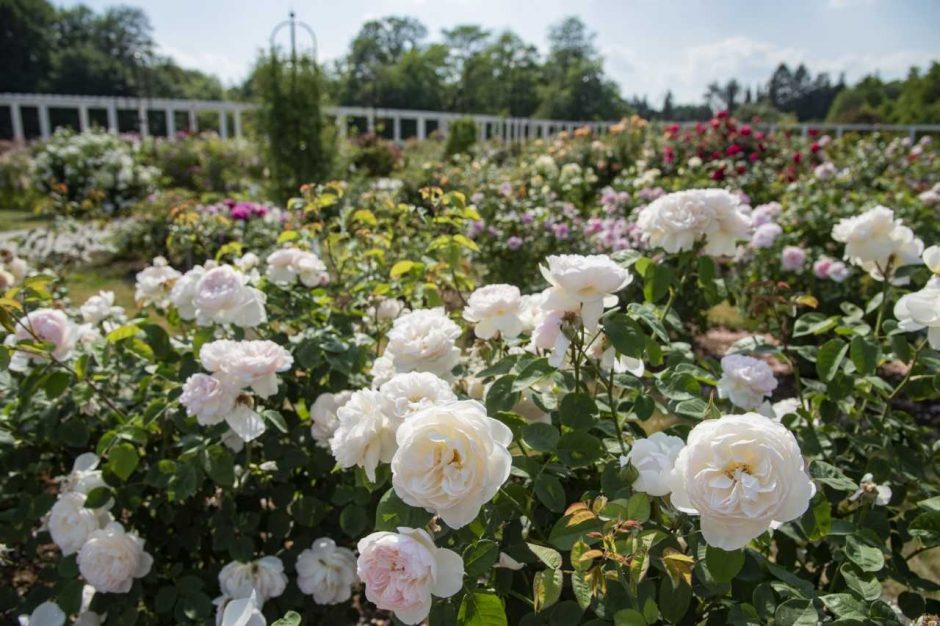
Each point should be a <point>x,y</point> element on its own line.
<point>649,45</point>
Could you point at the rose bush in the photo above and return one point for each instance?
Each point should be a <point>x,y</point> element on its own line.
<point>357,420</point>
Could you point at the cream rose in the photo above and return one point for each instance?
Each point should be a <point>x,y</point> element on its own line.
<point>875,239</point>
<point>365,436</point>
<point>252,364</point>
<point>744,475</point>
<point>155,283</point>
<point>495,310</point>
<point>223,296</point>
<point>451,460</point>
<point>402,570</point>
<point>327,572</point>
<point>746,381</point>
<point>424,341</point>
<point>70,523</point>
<point>111,559</point>
<point>406,394</point>
<point>584,284</point>
<point>678,220</point>
<point>654,459</point>
<point>323,421</point>
<point>264,577</point>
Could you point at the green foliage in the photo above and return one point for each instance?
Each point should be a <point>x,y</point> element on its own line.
<point>461,135</point>
<point>297,145</point>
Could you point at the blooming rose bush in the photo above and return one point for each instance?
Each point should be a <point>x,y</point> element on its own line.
<point>354,421</point>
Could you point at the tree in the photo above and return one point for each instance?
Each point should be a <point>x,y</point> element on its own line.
<point>25,50</point>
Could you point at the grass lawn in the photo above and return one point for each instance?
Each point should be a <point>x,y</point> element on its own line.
<point>19,220</point>
<point>119,278</point>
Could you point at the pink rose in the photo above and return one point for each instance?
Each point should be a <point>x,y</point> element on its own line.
<point>792,258</point>
<point>402,570</point>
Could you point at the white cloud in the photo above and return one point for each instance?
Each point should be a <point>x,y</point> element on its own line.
<point>227,68</point>
<point>688,72</point>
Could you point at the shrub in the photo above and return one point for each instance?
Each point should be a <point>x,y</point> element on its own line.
<point>91,173</point>
<point>462,134</point>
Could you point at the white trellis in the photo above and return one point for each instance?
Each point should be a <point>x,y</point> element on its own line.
<point>488,126</point>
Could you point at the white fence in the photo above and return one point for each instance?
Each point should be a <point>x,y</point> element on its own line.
<point>425,122</point>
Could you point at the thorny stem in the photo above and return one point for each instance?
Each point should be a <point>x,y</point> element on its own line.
<point>886,279</point>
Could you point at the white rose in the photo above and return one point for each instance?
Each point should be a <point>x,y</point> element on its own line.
<point>782,408</point>
<point>583,283</point>
<point>874,239</point>
<point>46,614</point>
<point>548,335</point>
<point>111,559</point>
<point>495,309</point>
<point>183,294</point>
<point>654,458</point>
<point>85,475</point>
<point>252,364</point>
<point>382,371</point>
<point>209,398</point>
<point>288,265</point>
<point>745,381</point>
<point>931,259</point>
<point>100,307</point>
<point>46,325</point>
<point>880,494</point>
<point>765,235</point>
<point>70,523</point>
<point>451,460</point>
<point>678,220</point>
<point>265,577</point>
<point>239,611</point>
<point>424,341</point>
<point>406,394</point>
<point>389,309</point>
<point>155,283</point>
<point>327,572</point>
<point>921,309</point>
<point>402,570</point>
<point>365,435</point>
<point>223,296</point>
<point>323,421</point>
<point>743,474</point>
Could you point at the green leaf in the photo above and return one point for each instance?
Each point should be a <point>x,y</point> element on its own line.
<point>549,491</point>
<point>122,332</point>
<point>546,588</point>
<point>638,507</point>
<point>353,520</point>
<point>674,599</point>
<point>533,373</point>
<point>844,605</point>
<point>550,557</point>
<point>479,558</point>
<point>401,268</point>
<point>540,436</point>
<point>796,612</point>
<point>868,558</point>
<point>392,513</point>
<point>578,410</point>
<point>56,383</point>
<point>864,354</point>
<point>291,618</point>
<point>501,395</point>
<point>817,521</point>
<point>656,282</point>
<point>220,465</point>
<point>868,589</point>
<point>629,617</point>
<point>724,565</point>
<point>578,448</point>
<point>481,608</point>
<point>625,335</point>
<point>123,460</point>
<point>829,358</point>
<point>831,476</point>
<point>98,497</point>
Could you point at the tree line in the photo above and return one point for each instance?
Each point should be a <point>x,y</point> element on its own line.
<point>393,63</point>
